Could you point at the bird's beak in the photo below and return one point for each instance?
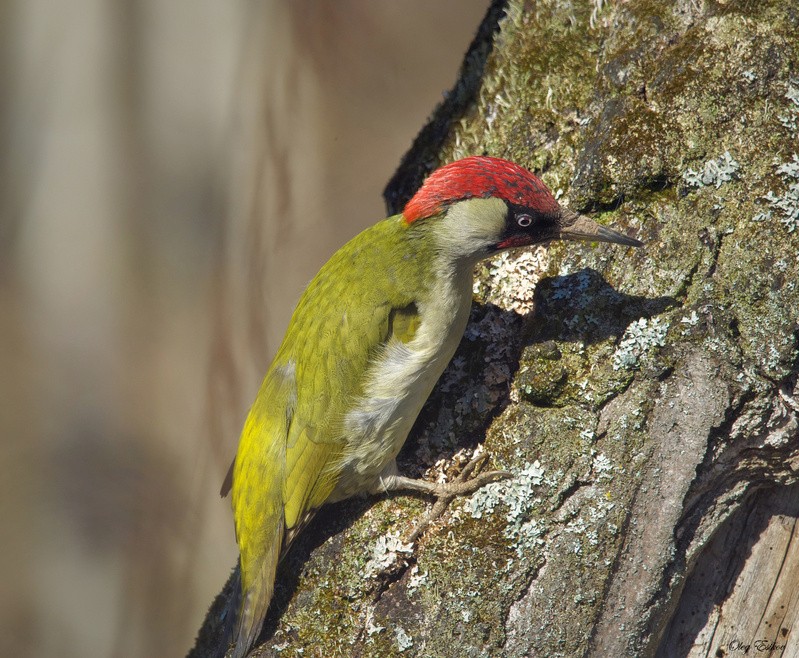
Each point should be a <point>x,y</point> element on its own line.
<point>579,227</point>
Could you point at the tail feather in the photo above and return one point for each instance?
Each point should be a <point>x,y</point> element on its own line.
<point>258,588</point>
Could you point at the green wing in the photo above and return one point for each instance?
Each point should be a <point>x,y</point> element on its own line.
<point>363,295</point>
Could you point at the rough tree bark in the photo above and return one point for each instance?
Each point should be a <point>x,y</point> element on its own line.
<point>647,399</point>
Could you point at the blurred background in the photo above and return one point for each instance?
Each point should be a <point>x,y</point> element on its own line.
<point>171,175</point>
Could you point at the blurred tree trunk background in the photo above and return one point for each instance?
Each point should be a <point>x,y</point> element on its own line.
<point>647,399</point>
<point>126,145</point>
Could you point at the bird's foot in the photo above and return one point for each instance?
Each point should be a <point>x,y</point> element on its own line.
<point>469,480</point>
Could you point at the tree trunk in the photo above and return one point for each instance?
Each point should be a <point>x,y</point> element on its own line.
<point>646,399</point>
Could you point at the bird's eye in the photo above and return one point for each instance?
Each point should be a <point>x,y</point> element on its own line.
<point>524,220</point>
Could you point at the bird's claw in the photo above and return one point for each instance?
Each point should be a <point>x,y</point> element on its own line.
<point>469,480</point>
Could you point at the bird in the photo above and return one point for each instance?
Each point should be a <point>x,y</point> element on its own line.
<point>370,336</point>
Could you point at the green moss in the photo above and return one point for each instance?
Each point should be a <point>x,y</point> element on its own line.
<point>525,91</point>
<point>542,376</point>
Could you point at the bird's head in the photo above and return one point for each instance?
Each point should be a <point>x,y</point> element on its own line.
<point>483,205</point>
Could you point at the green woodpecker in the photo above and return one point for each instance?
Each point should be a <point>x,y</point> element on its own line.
<point>367,341</point>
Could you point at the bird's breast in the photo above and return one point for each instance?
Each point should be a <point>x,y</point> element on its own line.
<point>398,383</point>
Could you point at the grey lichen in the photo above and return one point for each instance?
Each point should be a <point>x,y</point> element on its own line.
<point>639,339</point>
<point>518,496</point>
<point>790,118</point>
<point>715,172</point>
<point>511,278</point>
<point>404,640</point>
<point>388,550</point>
<point>787,201</point>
